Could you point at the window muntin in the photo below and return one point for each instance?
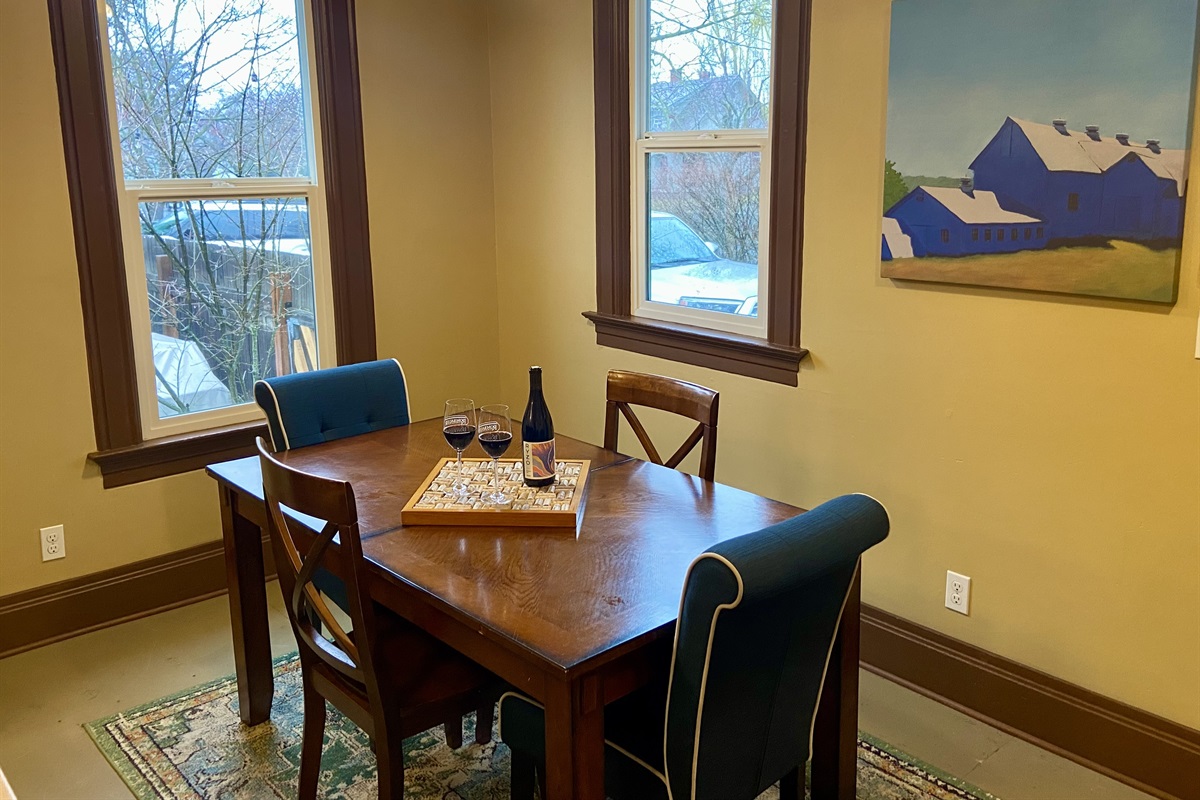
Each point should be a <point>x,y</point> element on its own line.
<point>223,153</point>
<point>701,153</point>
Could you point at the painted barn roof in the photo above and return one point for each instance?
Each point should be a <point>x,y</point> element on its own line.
<point>977,208</point>
<point>1072,151</point>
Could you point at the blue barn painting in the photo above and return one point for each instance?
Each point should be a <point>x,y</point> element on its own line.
<point>1034,159</point>
<point>1036,182</point>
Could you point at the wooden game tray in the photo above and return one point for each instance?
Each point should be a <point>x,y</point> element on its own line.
<point>559,505</point>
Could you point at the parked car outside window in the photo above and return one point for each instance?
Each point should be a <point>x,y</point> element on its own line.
<point>685,270</point>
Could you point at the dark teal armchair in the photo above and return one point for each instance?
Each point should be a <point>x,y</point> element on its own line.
<point>309,408</point>
<point>735,713</point>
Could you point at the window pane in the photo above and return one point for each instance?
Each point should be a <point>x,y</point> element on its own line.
<point>710,64</point>
<point>208,88</point>
<point>230,289</point>
<point>703,230</point>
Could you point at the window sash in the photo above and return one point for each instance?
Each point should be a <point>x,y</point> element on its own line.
<point>640,305</point>
<point>137,191</point>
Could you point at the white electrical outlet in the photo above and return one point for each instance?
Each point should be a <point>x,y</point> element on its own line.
<point>54,543</point>
<point>958,592</point>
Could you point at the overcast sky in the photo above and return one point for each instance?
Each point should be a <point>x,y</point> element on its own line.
<point>959,67</point>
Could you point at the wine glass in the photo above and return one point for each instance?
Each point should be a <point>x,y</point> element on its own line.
<point>495,435</point>
<point>458,426</point>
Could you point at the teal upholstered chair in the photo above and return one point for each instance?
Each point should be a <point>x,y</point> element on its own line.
<point>735,713</point>
<point>309,408</point>
<point>314,407</point>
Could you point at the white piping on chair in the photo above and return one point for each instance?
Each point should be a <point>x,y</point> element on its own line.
<point>279,416</point>
<point>876,499</point>
<point>712,632</point>
<point>407,401</point>
<point>812,726</point>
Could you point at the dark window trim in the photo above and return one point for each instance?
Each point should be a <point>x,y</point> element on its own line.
<point>778,357</point>
<point>121,452</point>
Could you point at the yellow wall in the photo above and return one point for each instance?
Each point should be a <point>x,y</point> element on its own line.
<point>1049,447</point>
<point>425,98</point>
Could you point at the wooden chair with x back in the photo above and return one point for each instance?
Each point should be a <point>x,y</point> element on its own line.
<point>387,675</point>
<point>628,389</point>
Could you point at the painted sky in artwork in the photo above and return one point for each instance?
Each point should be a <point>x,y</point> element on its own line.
<point>959,67</point>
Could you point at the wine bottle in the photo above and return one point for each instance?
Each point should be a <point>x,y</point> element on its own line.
<point>537,435</point>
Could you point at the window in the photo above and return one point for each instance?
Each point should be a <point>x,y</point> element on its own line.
<point>700,181</point>
<point>1039,233</point>
<point>987,234</point>
<point>999,234</point>
<point>945,235</point>
<point>1028,234</point>
<point>974,234</point>
<point>221,206</point>
<point>1073,201</point>
<point>198,199</point>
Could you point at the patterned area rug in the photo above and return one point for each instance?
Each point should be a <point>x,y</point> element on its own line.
<point>192,746</point>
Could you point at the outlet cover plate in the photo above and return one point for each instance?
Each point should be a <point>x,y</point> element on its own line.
<point>54,543</point>
<point>958,592</point>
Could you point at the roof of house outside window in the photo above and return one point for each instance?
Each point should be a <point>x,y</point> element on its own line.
<point>697,104</point>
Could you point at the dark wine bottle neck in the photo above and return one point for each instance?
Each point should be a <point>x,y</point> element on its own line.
<point>535,383</point>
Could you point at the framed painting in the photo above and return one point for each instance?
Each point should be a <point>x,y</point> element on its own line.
<point>1041,146</point>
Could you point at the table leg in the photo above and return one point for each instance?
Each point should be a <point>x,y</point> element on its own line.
<point>574,740</point>
<point>247,610</point>
<point>835,739</point>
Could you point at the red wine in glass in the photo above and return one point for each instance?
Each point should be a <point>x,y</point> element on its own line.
<point>495,443</point>
<point>459,436</point>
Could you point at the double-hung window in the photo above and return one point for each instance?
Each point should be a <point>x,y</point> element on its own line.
<point>700,121</point>
<point>220,200</point>
<point>201,140</point>
<point>701,162</point>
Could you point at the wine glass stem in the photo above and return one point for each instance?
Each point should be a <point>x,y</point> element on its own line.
<point>460,474</point>
<point>495,477</point>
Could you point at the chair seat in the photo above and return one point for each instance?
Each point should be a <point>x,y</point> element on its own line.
<point>425,672</point>
<point>633,738</point>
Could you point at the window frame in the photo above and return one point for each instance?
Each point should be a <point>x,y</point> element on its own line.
<point>123,454</point>
<point>776,357</point>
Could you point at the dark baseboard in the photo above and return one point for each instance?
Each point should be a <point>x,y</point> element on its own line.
<point>1138,748</point>
<point>68,608</point>
<point>1135,747</point>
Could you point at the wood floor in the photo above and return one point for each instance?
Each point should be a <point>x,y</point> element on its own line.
<point>46,695</point>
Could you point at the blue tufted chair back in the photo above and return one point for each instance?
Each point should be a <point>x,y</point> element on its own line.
<point>313,407</point>
<point>757,621</point>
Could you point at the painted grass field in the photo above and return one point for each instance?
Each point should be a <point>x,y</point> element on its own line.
<point>1119,269</point>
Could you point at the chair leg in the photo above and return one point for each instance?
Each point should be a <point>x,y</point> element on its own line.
<point>313,738</point>
<point>521,776</point>
<point>484,716</point>
<point>791,786</point>
<point>389,758</point>
<point>454,732</point>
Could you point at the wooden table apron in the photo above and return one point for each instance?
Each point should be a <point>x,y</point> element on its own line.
<point>574,620</point>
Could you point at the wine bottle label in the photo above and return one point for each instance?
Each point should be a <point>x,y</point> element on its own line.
<point>539,459</point>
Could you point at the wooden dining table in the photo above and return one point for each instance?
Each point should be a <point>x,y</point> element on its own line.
<point>574,618</point>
